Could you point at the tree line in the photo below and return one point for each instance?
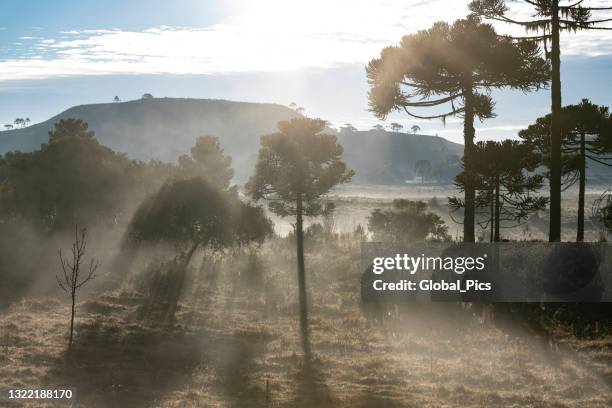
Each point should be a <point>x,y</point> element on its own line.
<point>18,123</point>
<point>191,204</point>
<point>450,70</point>
<point>73,180</point>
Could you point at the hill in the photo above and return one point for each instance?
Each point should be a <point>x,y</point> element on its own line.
<point>381,157</point>
<point>164,128</point>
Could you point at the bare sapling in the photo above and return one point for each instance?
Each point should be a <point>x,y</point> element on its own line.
<point>75,273</point>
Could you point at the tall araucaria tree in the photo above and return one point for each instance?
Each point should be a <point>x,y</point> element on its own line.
<point>506,185</point>
<point>586,134</point>
<point>451,69</point>
<point>550,19</point>
<point>297,167</point>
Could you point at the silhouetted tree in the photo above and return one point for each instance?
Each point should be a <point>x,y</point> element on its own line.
<point>296,168</point>
<point>406,221</point>
<point>207,160</point>
<point>70,180</point>
<point>550,19</point>
<point>423,169</point>
<point>194,214</point>
<point>70,127</point>
<point>505,184</point>
<point>8,126</point>
<point>602,212</point>
<point>116,99</point>
<point>72,277</point>
<point>586,134</point>
<point>396,127</point>
<point>146,96</point>
<point>415,129</point>
<point>454,66</point>
<point>348,128</point>
<point>378,127</point>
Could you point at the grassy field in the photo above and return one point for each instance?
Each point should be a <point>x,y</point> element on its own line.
<point>355,202</point>
<point>235,343</point>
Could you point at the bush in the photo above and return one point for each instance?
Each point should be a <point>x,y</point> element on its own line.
<point>407,221</point>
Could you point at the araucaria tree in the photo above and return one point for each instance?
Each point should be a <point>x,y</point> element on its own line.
<point>194,214</point>
<point>73,277</point>
<point>396,127</point>
<point>505,185</point>
<point>586,134</point>
<point>451,69</point>
<point>550,19</point>
<point>296,168</point>
<point>207,160</point>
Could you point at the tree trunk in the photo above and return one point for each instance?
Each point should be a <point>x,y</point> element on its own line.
<point>554,234</point>
<point>492,218</point>
<point>299,235</point>
<point>581,188</point>
<point>180,282</point>
<point>468,137</point>
<point>497,208</point>
<point>73,295</point>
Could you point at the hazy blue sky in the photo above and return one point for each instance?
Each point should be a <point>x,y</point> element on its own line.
<point>54,55</point>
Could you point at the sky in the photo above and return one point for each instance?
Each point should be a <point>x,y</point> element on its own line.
<point>54,55</point>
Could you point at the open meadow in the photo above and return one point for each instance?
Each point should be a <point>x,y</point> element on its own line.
<point>235,343</point>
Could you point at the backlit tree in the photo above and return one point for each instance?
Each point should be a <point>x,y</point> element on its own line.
<point>506,186</point>
<point>549,19</point>
<point>194,214</point>
<point>586,135</point>
<point>451,70</point>
<point>296,168</point>
<point>208,160</point>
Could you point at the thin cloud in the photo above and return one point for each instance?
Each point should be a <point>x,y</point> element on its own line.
<point>282,36</point>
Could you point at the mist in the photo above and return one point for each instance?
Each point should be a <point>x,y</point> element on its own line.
<point>190,195</point>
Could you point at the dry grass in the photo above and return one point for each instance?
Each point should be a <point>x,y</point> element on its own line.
<point>233,347</point>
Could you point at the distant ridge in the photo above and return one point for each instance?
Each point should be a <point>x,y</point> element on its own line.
<point>390,157</point>
<point>164,128</point>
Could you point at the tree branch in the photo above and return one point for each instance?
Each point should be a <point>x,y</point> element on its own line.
<point>441,116</point>
<point>599,161</point>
